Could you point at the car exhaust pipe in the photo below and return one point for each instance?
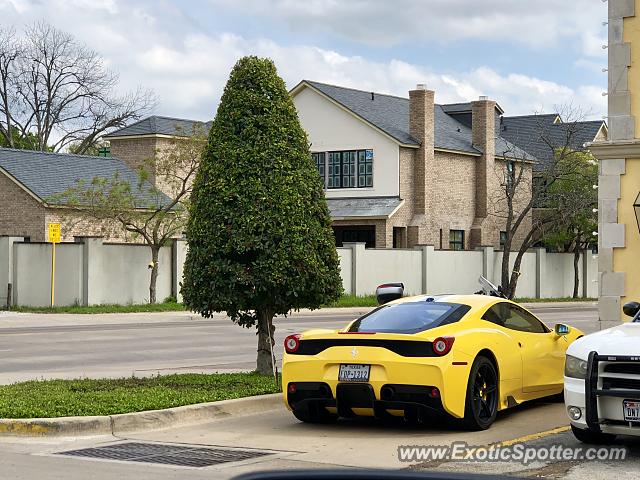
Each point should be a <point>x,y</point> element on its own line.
<point>387,393</point>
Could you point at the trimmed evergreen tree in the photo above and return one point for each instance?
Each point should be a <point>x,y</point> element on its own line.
<point>259,233</point>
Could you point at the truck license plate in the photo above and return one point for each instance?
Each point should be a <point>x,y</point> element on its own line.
<point>631,410</point>
<point>354,373</point>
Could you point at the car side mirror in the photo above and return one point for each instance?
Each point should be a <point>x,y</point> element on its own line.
<point>631,309</point>
<point>561,329</point>
<point>389,291</point>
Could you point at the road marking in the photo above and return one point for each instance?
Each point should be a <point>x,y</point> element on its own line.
<point>533,436</point>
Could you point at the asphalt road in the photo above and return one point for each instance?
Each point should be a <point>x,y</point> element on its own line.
<point>36,346</point>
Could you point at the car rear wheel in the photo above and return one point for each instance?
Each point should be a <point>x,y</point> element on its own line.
<point>481,404</point>
<point>315,415</point>
<point>594,438</point>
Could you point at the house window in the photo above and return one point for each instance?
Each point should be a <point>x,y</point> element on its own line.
<point>456,239</point>
<point>334,170</point>
<point>503,238</point>
<point>510,175</point>
<point>346,169</point>
<point>319,158</point>
<point>365,168</point>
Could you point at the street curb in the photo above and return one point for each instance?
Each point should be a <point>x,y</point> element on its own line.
<point>560,305</point>
<point>138,421</point>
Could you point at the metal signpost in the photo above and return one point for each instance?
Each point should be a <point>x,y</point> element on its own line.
<point>54,237</point>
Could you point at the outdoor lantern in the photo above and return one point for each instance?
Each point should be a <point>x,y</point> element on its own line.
<point>636,207</point>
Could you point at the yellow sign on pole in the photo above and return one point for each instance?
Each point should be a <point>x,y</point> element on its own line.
<point>54,233</point>
<point>54,237</point>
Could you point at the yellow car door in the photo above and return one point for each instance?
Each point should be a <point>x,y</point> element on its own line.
<point>542,351</point>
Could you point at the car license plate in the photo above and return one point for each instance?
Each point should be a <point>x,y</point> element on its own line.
<point>354,373</point>
<point>631,410</point>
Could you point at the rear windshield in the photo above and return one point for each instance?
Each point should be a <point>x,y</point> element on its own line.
<point>409,317</point>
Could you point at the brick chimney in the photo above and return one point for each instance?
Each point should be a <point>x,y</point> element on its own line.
<point>483,133</point>
<point>421,127</point>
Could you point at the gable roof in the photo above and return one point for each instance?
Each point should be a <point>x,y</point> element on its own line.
<point>541,134</point>
<point>390,114</point>
<point>158,125</point>
<point>45,174</point>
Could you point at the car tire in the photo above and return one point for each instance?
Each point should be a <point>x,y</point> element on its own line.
<point>592,438</point>
<point>319,415</point>
<point>481,405</point>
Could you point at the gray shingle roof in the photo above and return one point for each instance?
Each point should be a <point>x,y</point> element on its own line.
<point>363,207</point>
<point>539,135</point>
<point>160,125</point>
<point>391,115</point>
<point>47,174</point>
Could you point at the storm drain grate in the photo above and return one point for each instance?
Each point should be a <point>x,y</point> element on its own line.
<point>166,454</point>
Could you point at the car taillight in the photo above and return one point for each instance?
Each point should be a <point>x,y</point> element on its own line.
<point>442,345</point>
<point>292,343</point>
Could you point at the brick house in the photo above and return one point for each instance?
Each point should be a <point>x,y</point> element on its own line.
<point>431,174</point>
<point>30,180</point>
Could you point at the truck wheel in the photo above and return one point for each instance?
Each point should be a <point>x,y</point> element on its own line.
<point>597,438</point>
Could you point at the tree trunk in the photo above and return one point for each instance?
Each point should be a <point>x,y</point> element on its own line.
<point>504,274</point>
<point>510,290</point>
<point>266,330</point>
<point>576,270</point>
<point>155,253</point>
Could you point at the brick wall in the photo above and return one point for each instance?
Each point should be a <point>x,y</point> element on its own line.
<point>421,127</point>
<point>134,151</point>
<point>138,152</point>
<point>455,197</point>
<point>74,224</point>
<point>21,215</point>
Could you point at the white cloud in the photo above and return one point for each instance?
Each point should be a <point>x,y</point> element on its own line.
<point>539,24</point>
<point>156,46</point>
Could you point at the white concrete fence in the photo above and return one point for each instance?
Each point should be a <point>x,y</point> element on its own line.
<point>426,270</point>
<point>90,272</point>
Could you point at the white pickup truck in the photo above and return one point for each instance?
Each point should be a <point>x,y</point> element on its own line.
<point>602,382</point>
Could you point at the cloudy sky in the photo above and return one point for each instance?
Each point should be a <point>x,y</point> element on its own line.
<point>531,56</point>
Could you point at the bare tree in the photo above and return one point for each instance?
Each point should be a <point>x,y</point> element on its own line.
<point>154,209</point>
<point>60,91</point>
<point>524,189</point>
<point>10,52</point>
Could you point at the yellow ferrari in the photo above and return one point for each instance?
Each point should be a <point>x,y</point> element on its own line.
<point>465,356</point>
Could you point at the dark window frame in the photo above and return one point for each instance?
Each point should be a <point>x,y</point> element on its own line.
<point>355,233</point>
<point>493,315</point>
<point>320,159</point>
<point>455,243</point>
<point>358,165</point>
<point>503,238</point>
